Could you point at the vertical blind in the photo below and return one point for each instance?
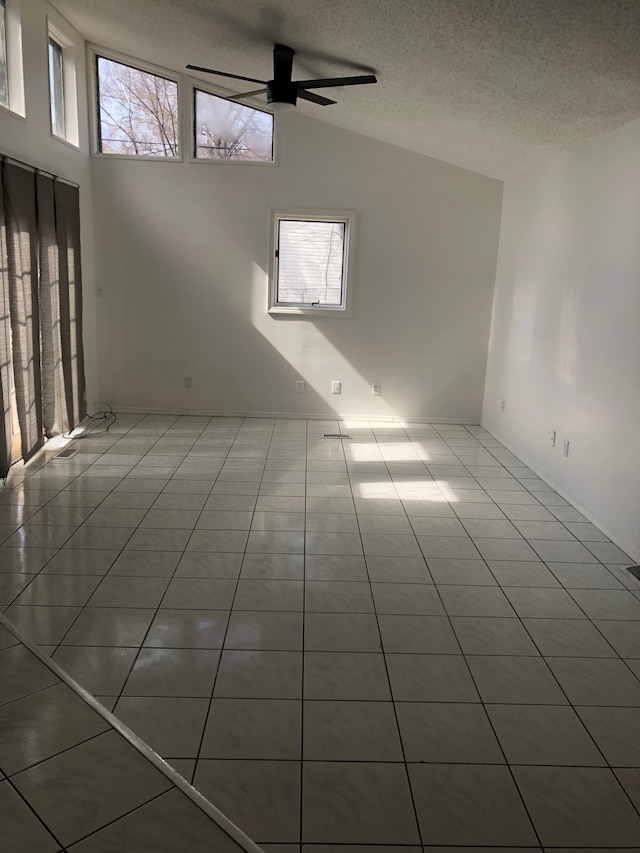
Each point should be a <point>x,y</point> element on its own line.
<point>41,354</point>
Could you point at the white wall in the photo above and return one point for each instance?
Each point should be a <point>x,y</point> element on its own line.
<point>182,250</point>
<point>29,139</point>
<point>565,340</point>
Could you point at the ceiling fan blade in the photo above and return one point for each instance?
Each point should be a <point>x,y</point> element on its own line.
<point>336,81</point>
<point>317,99</point>
<point>282,62</point>
<point>245,95</point>
<point>224,74</point>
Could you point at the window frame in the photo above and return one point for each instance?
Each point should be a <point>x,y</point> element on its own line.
<point>347,217</point>
<point>54,46</point>
<point>14,60</point>
<point>94,53</point>
<point>69,86</point>
<point>3,46</point>
<point>197,85</point>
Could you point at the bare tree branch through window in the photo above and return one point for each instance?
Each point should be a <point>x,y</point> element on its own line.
<point>226,130</point>
<point>138,111</point>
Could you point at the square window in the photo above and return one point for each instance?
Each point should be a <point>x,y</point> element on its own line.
<point>137,111</point>
<point>226,130</point>
<point>310,262</point>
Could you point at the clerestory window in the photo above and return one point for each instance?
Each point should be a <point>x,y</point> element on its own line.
<point>4,66</point>
<point>11,70</point>
<point>56,89</point>
<point>137,111</point>
<point>226,130</point>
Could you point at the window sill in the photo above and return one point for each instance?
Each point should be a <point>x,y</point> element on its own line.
<point>15,113</point>
<point>323,311</point>
<point>74,145</point>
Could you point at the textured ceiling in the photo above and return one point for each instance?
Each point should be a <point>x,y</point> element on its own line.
<point>491,85</point>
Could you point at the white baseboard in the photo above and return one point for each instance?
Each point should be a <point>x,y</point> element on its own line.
<point>575,502</point>
<point>308,416</point>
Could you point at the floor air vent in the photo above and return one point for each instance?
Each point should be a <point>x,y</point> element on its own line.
<point>335,435</point>
<point>66,454</point>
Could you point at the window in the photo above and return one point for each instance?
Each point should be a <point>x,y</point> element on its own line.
<point>56,89</point>
<point>226,130</point>
<point>137,111</point>
<point>11,72</point>
<point>309,262</point>
<point>4,77</point>
<point>63,98</point>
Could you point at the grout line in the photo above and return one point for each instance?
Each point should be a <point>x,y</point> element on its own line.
<point>490,722</point>
<point>222,647</point>
<point>394,478</point>
<point>391,696</point>
<point>93,509</point>
<point>303,656</point>
<point>146,633</point>
<point>174,777</point>
<point>34,812</point>
<point>117,819</point>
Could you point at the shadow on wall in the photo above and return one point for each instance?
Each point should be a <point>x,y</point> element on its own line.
<point>186,301</point>
<point>173,313</point>
<point>422,302</point>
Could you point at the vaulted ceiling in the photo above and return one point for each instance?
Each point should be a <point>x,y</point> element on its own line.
<point>490,85</point>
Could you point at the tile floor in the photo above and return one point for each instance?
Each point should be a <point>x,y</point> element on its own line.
<point>397,641</point>
<point>75,782</point>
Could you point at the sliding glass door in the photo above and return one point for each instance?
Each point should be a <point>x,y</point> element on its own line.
<point>41,355</point>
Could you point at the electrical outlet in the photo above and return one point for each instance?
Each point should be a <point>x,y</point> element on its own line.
<point>565,447</point>
<point>503,404</point>
<point>553,438</point>
<point>188,382</point>
<point>300,386</point>
<point>375,389</point>
<point>336,387</point>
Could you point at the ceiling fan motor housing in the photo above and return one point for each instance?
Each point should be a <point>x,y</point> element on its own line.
<point>282,92</point>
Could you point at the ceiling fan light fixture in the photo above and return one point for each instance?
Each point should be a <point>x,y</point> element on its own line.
<point>282,95</point>
<point>282,106</point>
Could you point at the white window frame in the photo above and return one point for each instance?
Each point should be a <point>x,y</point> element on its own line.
<point>69,85</point>
<point>347,217</point>
<point>3,46</point>
<point>203,86</point>
<point>93,53</point>
<point>15,72</point>
<point>56,104</point>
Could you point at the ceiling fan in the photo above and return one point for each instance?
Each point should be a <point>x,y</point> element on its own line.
<point>283,92</point>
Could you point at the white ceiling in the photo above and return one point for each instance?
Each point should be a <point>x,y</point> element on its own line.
<point>491,85</point>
